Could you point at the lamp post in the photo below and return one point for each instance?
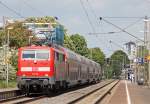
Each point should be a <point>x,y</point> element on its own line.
<point>7,53</point>
<point>147,47</point>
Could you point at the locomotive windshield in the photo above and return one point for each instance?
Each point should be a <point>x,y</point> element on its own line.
<point>35,54</point>
<point>28,54</point>
<point>42,54</point>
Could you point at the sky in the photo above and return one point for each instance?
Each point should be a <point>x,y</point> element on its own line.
<point>76,14</point>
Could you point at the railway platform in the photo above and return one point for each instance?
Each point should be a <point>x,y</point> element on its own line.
<point>129,93</point>
<point>7,89</point>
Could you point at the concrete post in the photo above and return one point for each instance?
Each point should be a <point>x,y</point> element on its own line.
<point>146,76</point>
<point>147,44</point>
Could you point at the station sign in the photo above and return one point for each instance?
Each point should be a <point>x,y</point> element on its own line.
<point>139,60</point>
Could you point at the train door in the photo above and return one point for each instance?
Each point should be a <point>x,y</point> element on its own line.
<point>59,66</point>
<point>56,65</point>
<point>62,65</point>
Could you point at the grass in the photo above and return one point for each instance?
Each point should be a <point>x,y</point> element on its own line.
<point>11,84</point>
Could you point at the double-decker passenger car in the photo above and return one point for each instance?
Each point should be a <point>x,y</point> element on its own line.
<point>44,69</point>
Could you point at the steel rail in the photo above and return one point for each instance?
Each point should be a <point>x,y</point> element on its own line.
<point>12,99</point>
<point>30,100</point>
<point>105,94</point>
<point>95,90</point>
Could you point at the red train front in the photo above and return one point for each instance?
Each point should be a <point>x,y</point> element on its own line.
<point>36,68</point>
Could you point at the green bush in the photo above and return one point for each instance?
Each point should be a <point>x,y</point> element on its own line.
<point>11,84</point>
<point>14,60</point>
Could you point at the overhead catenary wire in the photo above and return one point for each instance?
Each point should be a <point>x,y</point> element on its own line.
<point>10,9</point>
<point>137,21</point>
<point>33,8</point>
<point>92,10</point>
<point>121,29</point>
<point>87,15</point>
<point>125,50</point>
<point>96,18</point>
<point>112,32</point>
<point>128,26</point>
<point>123,17</point>
<point>95,15</point>
<point>116,44</point>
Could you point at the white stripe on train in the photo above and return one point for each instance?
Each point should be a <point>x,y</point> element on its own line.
<point>27,69</point>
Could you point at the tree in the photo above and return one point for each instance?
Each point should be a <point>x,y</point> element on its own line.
<point>80,44</point>
<point>68,43</point>
<point>2,37</point>
<point>46,19</point>
<point>108,72</point>
<point>97,55</point>
<point>118,59</point>
<point>14,59</point>
<point>18,36</point>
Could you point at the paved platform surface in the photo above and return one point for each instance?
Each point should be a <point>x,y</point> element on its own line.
<point>7,89</point>
<point>130,93</point>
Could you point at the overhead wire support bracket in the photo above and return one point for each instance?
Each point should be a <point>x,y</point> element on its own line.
<point>120,29</point>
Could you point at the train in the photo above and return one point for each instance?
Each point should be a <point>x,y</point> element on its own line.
<point>49,68</point>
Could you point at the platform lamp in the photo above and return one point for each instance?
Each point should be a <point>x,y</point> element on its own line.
<point>7,53</point>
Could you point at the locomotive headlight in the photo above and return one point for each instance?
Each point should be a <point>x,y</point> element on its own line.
<point>46,75</point>
<point>23,75</point>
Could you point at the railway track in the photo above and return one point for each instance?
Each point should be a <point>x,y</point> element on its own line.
<point>11,99</point>
<point>96,95</point>
<point>23,100</point>
<point>89,95</point>
<point>92,94</point>
<point>16,97</point>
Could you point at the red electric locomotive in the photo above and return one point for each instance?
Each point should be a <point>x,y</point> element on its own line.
<point>44,69</point>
